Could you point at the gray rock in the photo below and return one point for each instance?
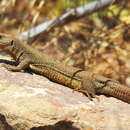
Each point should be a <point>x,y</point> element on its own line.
<point>30,101</point>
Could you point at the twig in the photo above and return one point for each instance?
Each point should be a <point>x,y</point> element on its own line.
<point>69,16</point>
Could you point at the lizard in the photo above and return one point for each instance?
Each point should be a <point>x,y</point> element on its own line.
<point>81,80</point>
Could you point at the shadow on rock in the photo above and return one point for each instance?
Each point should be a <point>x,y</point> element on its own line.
<point>61,125</point>
<point>3,124</point>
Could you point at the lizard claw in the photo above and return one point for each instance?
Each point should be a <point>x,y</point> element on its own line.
<point>90,95</point>
<point>6,66</point>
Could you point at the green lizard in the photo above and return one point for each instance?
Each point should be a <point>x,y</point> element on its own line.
<point>84,81</point>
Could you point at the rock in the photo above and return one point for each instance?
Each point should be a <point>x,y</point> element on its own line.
<point>30,101</point>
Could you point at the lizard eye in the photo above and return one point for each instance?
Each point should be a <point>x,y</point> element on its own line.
<point>12,42</point>
<point>0,36</point>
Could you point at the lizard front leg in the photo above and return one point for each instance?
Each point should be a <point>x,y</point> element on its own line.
<point>22,65</point>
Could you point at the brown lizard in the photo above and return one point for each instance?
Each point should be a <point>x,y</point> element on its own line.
<point>84,81</point>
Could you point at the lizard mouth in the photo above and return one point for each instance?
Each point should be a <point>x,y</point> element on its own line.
<point>2,44</point>
<point>4,41</point>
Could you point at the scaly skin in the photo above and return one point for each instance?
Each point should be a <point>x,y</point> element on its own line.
<point>84,81</point>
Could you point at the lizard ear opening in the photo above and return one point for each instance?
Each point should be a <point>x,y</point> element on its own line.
<point>12,42</point>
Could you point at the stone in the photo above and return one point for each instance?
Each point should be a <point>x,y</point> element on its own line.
<point>32,102</point>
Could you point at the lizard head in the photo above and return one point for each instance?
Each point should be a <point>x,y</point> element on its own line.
<point>12,45</point>
<point>9,45</point>
<point>5,42</point>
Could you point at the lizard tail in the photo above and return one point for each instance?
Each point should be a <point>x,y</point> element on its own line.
<point>119,91</point>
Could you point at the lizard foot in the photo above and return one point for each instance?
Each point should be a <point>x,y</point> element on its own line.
<point>10,67</point>
<point>89,94</point>
<point>6,66</point>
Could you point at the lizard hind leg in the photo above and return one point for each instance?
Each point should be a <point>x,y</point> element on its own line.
<point>88,88</point>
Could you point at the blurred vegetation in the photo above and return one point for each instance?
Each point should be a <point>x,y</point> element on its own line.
<point>100,41</point>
